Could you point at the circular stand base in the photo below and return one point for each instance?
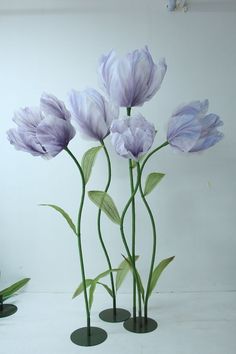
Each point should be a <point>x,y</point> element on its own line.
<point>140,325</point>
<point>80,336</point>
<point>119,316</point>
<point>7,310</point>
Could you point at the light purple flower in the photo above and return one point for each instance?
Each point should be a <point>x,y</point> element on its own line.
<point>132,137</point>
<point>93,113</point>
<point>131,80</point>
<point>39,133</point>
<point>191,130</point>
<point>51,105</point>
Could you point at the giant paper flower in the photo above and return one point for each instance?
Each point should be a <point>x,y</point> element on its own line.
<point>44,131</point>
<point>132,137</point>
<point>131,80</point>
<point>191,130</point>
<point>93,113</point>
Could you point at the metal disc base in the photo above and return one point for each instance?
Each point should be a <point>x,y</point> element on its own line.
<point>7,310</point>
<point>81,337</point>
<point>140,325</point>
<point>119,315</point>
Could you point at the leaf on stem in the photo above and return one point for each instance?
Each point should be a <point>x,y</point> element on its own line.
<point>10,291</point>
<point>88,161</point>
<point>137,277</point>
<point>157,272</point>
<point>107,288</point>
<point>151,182</point>
<point>80,288</point>
<point>91,293</point>
<point>106,204</point>
<point>103,274</point>
<point>64,214</point>
<point>124,269</point>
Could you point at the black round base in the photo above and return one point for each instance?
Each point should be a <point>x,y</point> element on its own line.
<point>119,315</point>
<point>140,325</point>
<point>7,310</point>
<point>80,336</point>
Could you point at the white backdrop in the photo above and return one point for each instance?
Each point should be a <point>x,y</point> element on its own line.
<point>54,47</point>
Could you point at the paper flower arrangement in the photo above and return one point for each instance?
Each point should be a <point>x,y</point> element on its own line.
<point>47,130</point>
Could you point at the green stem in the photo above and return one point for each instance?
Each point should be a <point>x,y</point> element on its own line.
<point>79,238</point>
<point>153,227</point>
<point>153,250</point>
<point>100,232</point>
<point>151,153</point>
<point>133,235</point>
<point>133,231</point>
<point>131,260</point>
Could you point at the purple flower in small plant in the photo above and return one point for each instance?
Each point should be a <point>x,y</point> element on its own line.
<point>93,113</point>
<point>42,132</point>
<point>131,80</point>
<point>191,130</point>
<point>132,137</point>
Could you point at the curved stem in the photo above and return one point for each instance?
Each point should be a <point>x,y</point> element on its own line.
<point>153,227</point>
<point>151,153</point>
<point>124,237</point>
<point>133,235</point>
<point>79,238</point>
<point>153,250</point>
<point>100,232</point>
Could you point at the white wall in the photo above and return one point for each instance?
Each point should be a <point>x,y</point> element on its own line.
<point>56,50</point>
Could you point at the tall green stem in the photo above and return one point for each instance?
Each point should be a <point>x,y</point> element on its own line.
<point>100,232</point>
<point>133,231</point>
<point>79,238</point>
<point>153,228</point>
<point>153,250</point>
<point>131,260</point>
<point>133,236</point>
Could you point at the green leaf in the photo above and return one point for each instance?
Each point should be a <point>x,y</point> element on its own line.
<point>103,274</point>
<point>88,161</point>
<point>124,269</point>
<point>8,292</point>
<point>91,293</point>
<point>152,180</point>
<point>107,288</point>
<point>64,214</point>
<point>80,288</point>
<point>157,272</point>
<point>138,278</point>
<point>106,204</point>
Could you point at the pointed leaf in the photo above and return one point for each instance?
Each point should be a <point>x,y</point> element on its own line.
<point>105,202</point>
<point>124,269</point>
<point>91,293</point>
<point>157,272</point>
<point>103,274</point>
<point>80,288</point>
<point>107,288</point>
<point>88,161</point>
<point>152,180</point>
<point>64,214</point>
<point>8,292</point>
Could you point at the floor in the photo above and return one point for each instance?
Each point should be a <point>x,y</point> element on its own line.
<point>189,323</point>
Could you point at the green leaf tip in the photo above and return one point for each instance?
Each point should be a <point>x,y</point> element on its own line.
<point>151,182</point>
<point>157,272</point>
<point>88,161</point>
<point>65,215</point>
<point>12,289</point>
<point>106,204</point>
